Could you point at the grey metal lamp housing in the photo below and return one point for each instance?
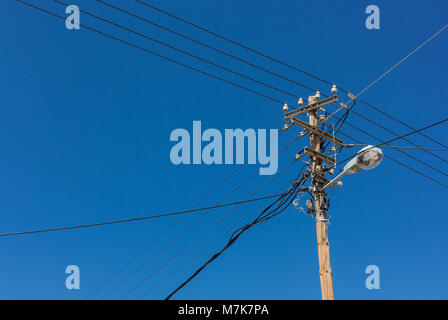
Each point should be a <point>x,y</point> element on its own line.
<point>367,158</point>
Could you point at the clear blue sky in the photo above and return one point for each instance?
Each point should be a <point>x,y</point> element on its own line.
<point>84,133</point>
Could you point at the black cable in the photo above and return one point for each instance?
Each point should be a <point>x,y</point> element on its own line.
<point>203,233</point>
<point>164,232</point>
<point>200,251</point>
<point>399,162</point>
<point>339,125</point>
<point>236,43</point>
<point>402,123</point>
<point>397,138</point>
<point>289,66</point>
<point>398,147</point>
<point>394,133</point>
<point>186,53</point>
<point>401,151</point>
<point>263,217</point>
<point>149,245</point>
<point>253,91</point>
<point>178,237</point>
<point>232,240</point>
<point>206,45</point>
<point>158,55</point>
<point>174,240</point>
<point>135,219</point>
<point>204,248</point>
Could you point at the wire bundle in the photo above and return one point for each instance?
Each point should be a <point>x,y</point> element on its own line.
<point>274,209</point>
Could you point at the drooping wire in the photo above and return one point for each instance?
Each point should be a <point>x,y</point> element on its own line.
<point>402,136</point>
<point>258,52</point>
<point>97,224</point>
<point>190,67</point>
<point>84,26</point>
<point>395,139</point>
<point>235,42</point>
<point>185,52</point>
<point>206,45</point>
<point>401,151</point>
<point>198,253</point>
<point>183,232</point>
<point>398,162</point>
<point>391,131</point>
<point>159,236</point>
<point>264,216</point>
<point>173,240</point>
<point>188,245</point>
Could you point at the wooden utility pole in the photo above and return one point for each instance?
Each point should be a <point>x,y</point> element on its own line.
<point>323,246</point>
<point>316,152</point>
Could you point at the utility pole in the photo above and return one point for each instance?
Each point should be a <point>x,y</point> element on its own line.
<point>323,246</point>
<point>318,173</point>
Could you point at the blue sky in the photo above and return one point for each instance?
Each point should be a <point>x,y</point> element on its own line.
<point>85,124</point>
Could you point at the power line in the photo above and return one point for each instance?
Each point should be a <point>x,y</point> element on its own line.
<point>401,151</point>
<point>236,43</point>
<point>199,252</point>
<point>354,97</point>
<point>174,240</point>
<point>399,162</point>
<point>174,223</point>
<point>246,77</point>
<point>158,55</point>
<point>148,51</point>
<point>204,248</point>
<point>401,61</point>
<point>394,133</point>
<point>395,147</point>
<point>204,233</point>
<point>186,52</point>
<point>206,45</point>
<point>405,135</point>
<point>304,72</point>
<point>395,139</point>
<point>164,232</point>
<point>402,123</point>
<point>264,216</point>
<point>138,47</point>
<point>135,219</point>
<point>242,75</point>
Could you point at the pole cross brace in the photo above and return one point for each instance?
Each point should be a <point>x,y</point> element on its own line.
<point>311,107</point>
<point>319,155</point>
<point>317,131</point>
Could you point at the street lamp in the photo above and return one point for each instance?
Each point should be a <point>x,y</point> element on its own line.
<point>367,158</point>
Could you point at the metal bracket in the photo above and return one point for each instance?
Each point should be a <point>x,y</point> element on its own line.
<point>300,155</point>
<point>321,179</point>
<point>351,96</point>
<point>317,131</point>
<point>313,106</point>
<point>319,155</point>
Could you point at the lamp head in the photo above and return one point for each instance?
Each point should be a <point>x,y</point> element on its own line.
<point>367,158</point>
